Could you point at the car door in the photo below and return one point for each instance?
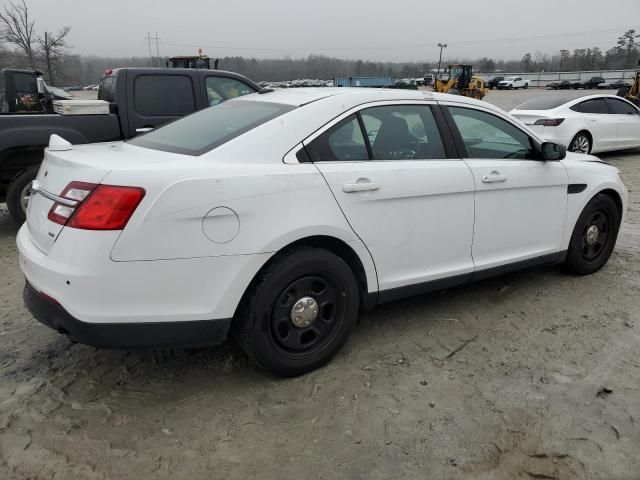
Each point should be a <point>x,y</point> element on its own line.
<point>520,202</point>
<point>403,193</point>
<point>627,119</point>
<point>158,98</point>
<point>597,120</point>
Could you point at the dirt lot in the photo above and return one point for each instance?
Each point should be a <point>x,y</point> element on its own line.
<point>547,386</point>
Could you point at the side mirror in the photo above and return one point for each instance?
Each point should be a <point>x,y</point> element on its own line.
<point>551,152</point>
<point>42,88</point>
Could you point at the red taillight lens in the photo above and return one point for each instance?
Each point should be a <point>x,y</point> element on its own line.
<point>109,207</point>
<point>100,207</point>
<point>550,122</point>
<point>77,191</point>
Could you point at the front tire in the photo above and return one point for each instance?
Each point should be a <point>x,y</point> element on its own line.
<point>581,143</point>
<point>299,313</point>
<point>594,236</point>
<point>19,193</point>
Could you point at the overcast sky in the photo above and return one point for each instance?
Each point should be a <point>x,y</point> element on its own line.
<point>395,30</point>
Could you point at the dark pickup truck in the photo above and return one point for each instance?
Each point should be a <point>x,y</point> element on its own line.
<point>138,99</point>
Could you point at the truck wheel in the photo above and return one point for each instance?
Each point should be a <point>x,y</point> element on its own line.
<point>454,91</point>
<point>19,192</point>
<point>526,86</point>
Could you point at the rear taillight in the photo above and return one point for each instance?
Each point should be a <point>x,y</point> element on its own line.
<point>549,122</point>
<point>76,191</point>
<point>100,207</point>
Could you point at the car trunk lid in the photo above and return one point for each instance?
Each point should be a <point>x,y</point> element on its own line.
<point>58,169</point>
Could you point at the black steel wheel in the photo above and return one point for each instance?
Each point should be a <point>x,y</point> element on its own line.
<point>299,312</point>
<point>594,236</point>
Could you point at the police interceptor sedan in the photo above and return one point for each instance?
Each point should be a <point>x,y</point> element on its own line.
<point>275,218</point>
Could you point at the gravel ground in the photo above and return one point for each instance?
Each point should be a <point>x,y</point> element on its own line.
<point>534,375</point>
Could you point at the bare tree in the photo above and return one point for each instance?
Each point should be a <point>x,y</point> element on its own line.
<point>53,47</point>
<point>16,27</point>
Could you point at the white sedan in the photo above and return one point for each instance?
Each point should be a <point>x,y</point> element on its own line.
<point>591,124</point>
<point>276,217</point>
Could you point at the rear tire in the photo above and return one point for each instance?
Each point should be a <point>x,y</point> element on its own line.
<point>454,91</point>
<point>271,330</point>
<point>19,192</point>
<point>581,143</point>
<point>594,236</point>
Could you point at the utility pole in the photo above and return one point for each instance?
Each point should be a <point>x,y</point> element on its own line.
<point>441,45</point>
<point>152,59</point>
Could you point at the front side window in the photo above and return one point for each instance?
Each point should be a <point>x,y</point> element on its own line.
<point>595,106</point>
<point>343,142</point>
<point>620,107</point>
<point>402,132</point>
<point>488,136</point>
<point>164,95</point>
<point>207,129</point>
<point>220,89</point>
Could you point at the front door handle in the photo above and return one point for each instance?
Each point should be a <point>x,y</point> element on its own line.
<point>494,177</point>
<point>144,129</point>
<point>360,186</point>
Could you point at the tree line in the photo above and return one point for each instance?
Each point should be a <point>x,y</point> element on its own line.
<point>22,45</point>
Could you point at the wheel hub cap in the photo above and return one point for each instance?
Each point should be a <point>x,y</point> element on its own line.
<point>592,235</point>
<point>304,312</point>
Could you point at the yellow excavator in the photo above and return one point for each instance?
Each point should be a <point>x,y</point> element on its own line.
<point>459,80</point>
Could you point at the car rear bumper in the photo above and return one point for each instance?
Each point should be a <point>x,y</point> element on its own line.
<point>124,335</point>
<point>139,303</point>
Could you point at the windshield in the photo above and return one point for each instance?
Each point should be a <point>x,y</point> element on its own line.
<point>543,103</point>
<point>207,129</point>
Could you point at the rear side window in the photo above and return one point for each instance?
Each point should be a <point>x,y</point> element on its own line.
<point>107,90</point>
<point>597,105</point>
<point>163,95</point>
<point>402,132</point>
<point>343,142</point>
<point>620,107</point>
<point>207,129</point>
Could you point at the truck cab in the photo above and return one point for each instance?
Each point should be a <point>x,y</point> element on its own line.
<point>132,101</point>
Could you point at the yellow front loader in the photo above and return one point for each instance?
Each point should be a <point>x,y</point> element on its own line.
<point>460,81</point>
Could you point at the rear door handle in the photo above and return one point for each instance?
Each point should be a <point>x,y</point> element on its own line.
<point>143,130</point>
<point>360,186</point>
<point>494,178</point>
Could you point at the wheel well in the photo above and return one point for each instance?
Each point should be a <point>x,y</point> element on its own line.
<point>335,246</point>
<point>615,196</point>
<point>587,133</point>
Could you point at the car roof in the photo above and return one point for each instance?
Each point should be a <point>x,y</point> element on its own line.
<point>302,96</point>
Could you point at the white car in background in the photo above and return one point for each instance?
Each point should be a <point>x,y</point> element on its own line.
<point>591,124</point>
<point>278,216</point>
<point>513,83</point>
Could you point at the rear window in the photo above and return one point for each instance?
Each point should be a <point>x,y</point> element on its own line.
<point>207,129</point>
<point>543,103</point>
<point>164,95</point>
<point>107,90</point>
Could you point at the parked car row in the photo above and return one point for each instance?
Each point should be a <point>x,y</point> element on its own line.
<point>594,82</point>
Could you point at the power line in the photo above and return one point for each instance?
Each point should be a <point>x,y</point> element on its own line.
<point>470,42</point>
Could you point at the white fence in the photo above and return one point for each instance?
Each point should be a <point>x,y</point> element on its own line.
<point>540,79</point>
